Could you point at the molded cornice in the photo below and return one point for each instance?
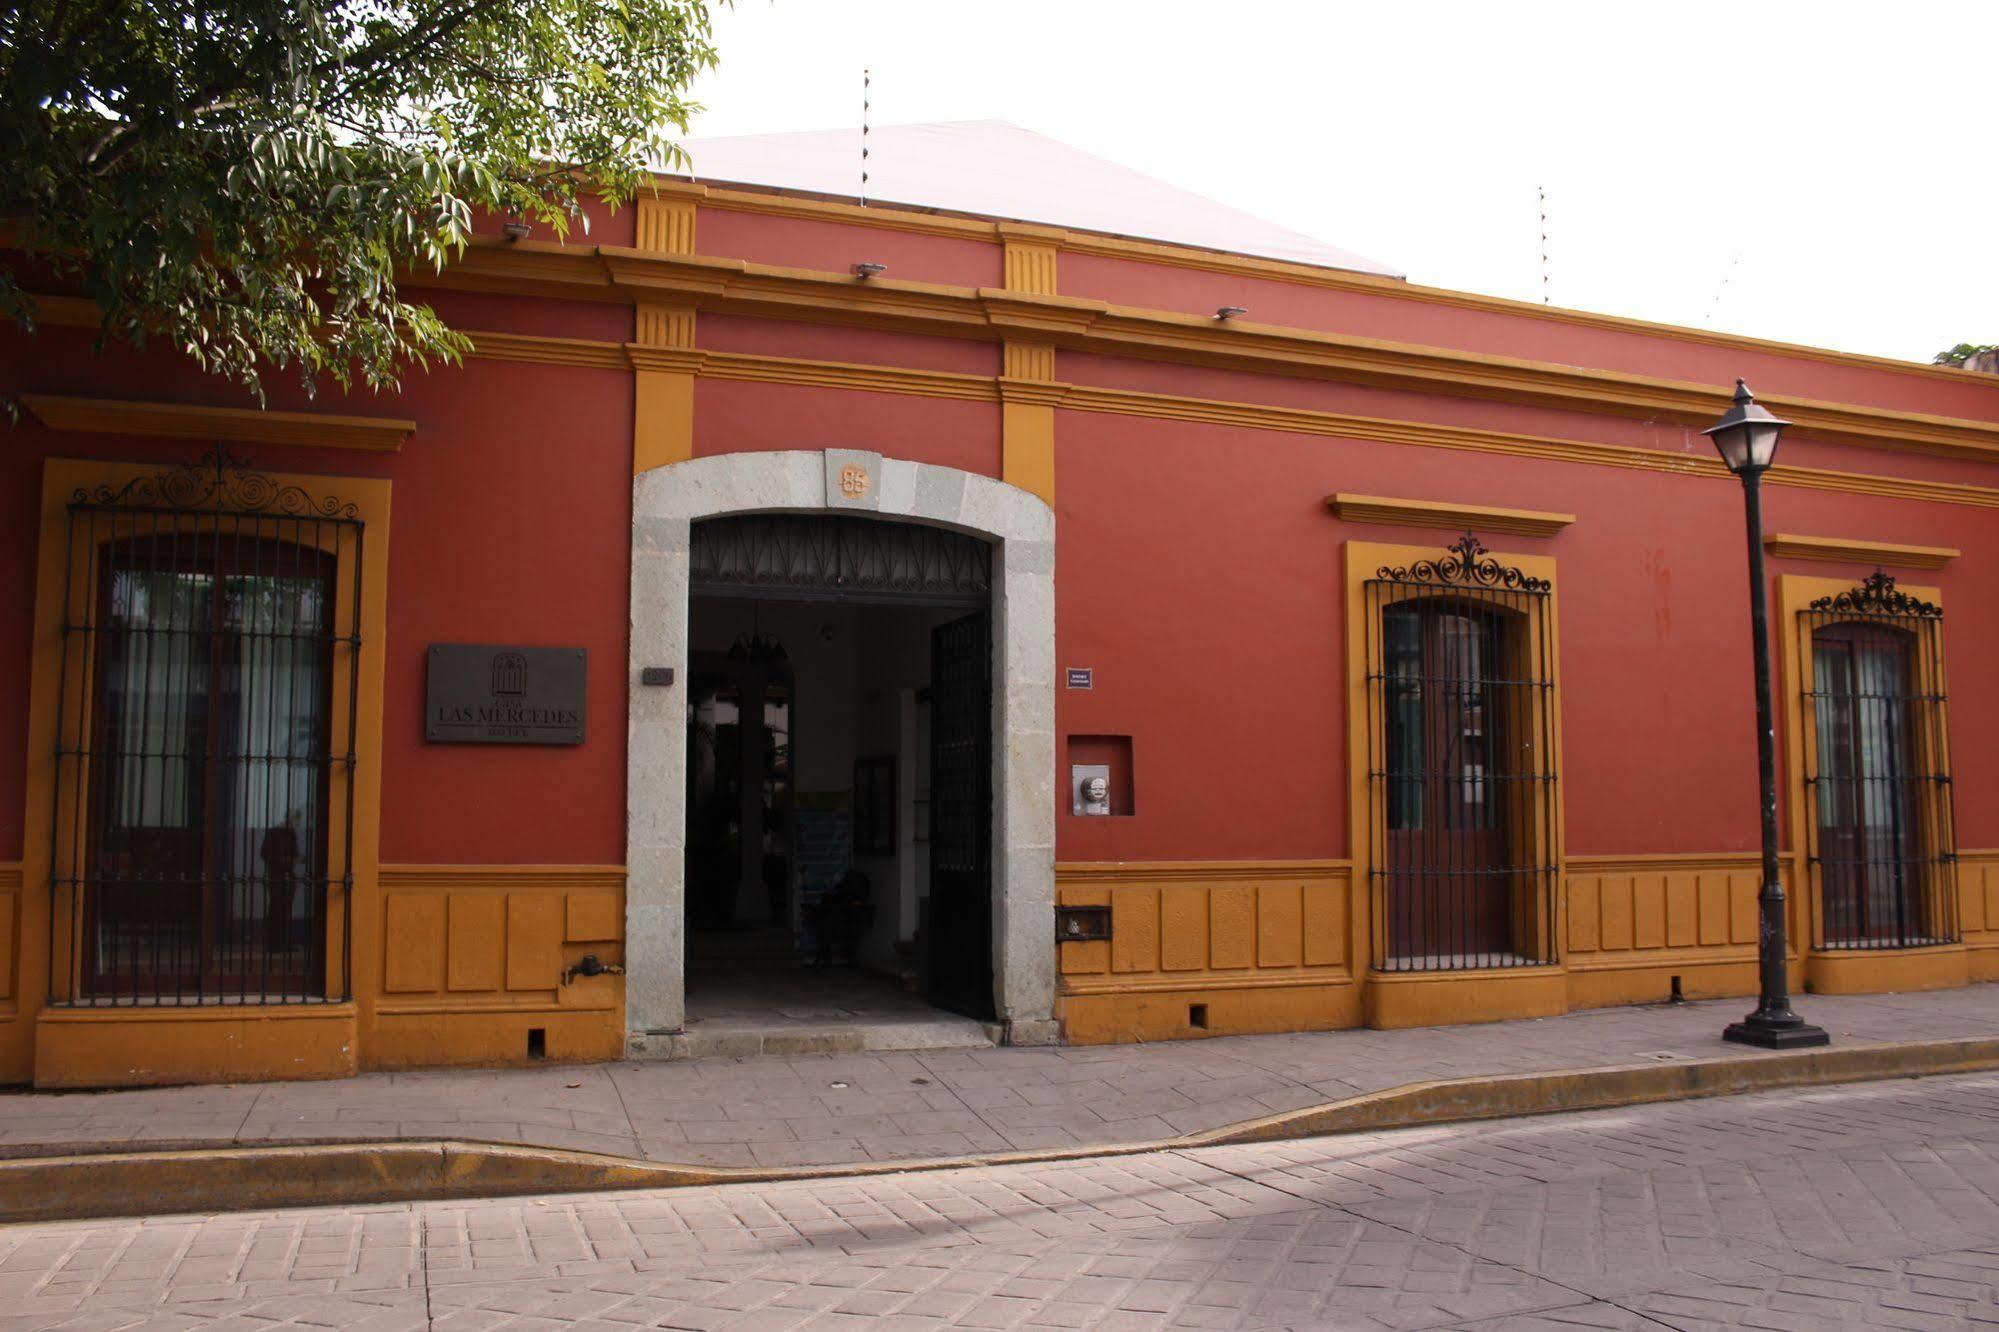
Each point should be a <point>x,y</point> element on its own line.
<point>1843,550</point>
<point>1434,513</point>
<point>1215,411</point>
<point>737,287</point>
<point>230,425</point>
<point>905,218</point>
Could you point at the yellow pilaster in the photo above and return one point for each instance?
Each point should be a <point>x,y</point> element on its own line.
<point>663,356</point>
<point>1030,257</point>
<point>1028,395</point>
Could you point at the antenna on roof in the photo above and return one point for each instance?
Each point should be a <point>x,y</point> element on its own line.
<point>1542,190</point>
<point>1726,274</point>
<point>864,137</point>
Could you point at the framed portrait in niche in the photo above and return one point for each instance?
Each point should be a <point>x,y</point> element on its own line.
<point>874,806</point>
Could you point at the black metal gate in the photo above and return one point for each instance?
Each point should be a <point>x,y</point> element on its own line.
<point>838,557</point>
<point>1878,775</point>
<point>203,827</point>
<point>961,816</point>
<point>1462,801</point>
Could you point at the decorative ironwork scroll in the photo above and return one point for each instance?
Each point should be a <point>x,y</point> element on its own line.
<point>1878,595</point>
<point>1467,565</point>
<point>1462,800</point>
<point>219,483</point>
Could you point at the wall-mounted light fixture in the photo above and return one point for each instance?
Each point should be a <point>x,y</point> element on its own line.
<point>866,271</point>
<point>1228,312</point>
<point>516,230</point>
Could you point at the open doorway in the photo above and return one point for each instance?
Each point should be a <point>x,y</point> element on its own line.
<point>839,790</point>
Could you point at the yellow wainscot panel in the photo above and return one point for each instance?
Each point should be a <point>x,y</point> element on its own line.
<point>591,917</point>
<point>1208,948</point>
<point>476,941</point>
<point>1280,922</point>
<point>1232,926</point>
<point>413,943</point>
<point>1645,928</point>
<point>534,941</point>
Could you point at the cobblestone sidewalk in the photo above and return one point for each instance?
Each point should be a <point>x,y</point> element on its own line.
<point>847,1109</point>
<point>1873,1205</point>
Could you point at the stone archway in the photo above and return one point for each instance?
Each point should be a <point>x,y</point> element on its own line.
<point>665,502</point>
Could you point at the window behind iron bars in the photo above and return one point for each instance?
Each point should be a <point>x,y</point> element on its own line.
<point>1462,782</point>
<point>204,812</point>
<point>1877,774</point>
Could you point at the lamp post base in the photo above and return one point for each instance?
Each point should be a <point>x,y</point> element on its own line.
<point>1788,1033</point>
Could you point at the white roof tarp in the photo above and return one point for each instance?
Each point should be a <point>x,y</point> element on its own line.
<point>994,169</point>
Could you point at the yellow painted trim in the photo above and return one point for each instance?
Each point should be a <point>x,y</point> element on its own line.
<point>503,878</point>
<point>533,350</point>
<point>666,224</point>
<point>1365,818</point>
<point>10,944</point>
<point>1251,416</point>
<point>845,375</point>
<point>61,477</point>
<point>1399,999</point>
<point>1189,871</point>
<point>1031,258</point>
<point>607,273</point>
<point>897,217</point>
<point>134,1047</point>
<point>1027,418</point>
<point>735,286</point>
<point>1435,513</point>
<point>663,325</point>
<point>231,425</point>
<point>1845,550</point>
<point>1792,640</point>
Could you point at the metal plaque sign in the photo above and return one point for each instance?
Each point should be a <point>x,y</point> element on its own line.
<point>1082,677</point>
<point>479,694</point>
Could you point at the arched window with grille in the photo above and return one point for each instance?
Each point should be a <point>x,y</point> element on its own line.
<point>1877,770</point>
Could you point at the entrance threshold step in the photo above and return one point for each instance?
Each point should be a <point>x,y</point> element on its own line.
<point>736,1038</point>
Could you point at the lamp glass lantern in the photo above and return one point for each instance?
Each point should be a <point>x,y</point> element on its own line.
<point>1746,435</point>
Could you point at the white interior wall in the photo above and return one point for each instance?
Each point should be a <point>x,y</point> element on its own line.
<point>855,674</point>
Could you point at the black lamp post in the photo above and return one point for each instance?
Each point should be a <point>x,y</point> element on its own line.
<point>1746,436</point>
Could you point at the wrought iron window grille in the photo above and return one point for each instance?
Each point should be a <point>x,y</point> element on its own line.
<point>1462,787</point>
<point>202,835</point>
<point>1877,772</point>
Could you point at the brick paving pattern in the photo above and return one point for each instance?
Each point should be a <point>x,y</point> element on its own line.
<point>1869,1205</point>
<point>840,1109</point>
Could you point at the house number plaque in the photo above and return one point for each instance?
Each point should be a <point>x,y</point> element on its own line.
<point>479,694</point>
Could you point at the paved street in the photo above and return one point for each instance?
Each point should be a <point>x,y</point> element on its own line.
<point>829,1109</point>
<point>1873,1205</point>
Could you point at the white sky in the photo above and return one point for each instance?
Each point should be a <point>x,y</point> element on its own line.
<point>1818,173</point>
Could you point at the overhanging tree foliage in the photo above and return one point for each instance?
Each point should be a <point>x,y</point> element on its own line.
<point>1963,352</point>
<point>246,178</point>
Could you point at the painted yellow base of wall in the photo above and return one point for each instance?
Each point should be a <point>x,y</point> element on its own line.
<point>165,1046</point>
<point>1164,1015</point>
<point>1607,987</point>
<point>1437,998</point>
<point>493,1039</point>
<point>1875,971</point>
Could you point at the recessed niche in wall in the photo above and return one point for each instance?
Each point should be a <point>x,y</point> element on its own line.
<point>1100,756</point>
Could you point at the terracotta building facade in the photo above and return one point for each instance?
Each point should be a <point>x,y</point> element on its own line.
<point>1004,620</point>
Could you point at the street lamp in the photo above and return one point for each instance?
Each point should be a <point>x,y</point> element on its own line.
<point>1746,437</point>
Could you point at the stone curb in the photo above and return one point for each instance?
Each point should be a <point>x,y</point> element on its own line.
<point>105,1183</point>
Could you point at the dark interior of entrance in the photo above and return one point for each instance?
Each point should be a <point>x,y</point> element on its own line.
<point>839,799</point>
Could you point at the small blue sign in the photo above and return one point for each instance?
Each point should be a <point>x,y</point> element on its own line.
<point>1082,677</point>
